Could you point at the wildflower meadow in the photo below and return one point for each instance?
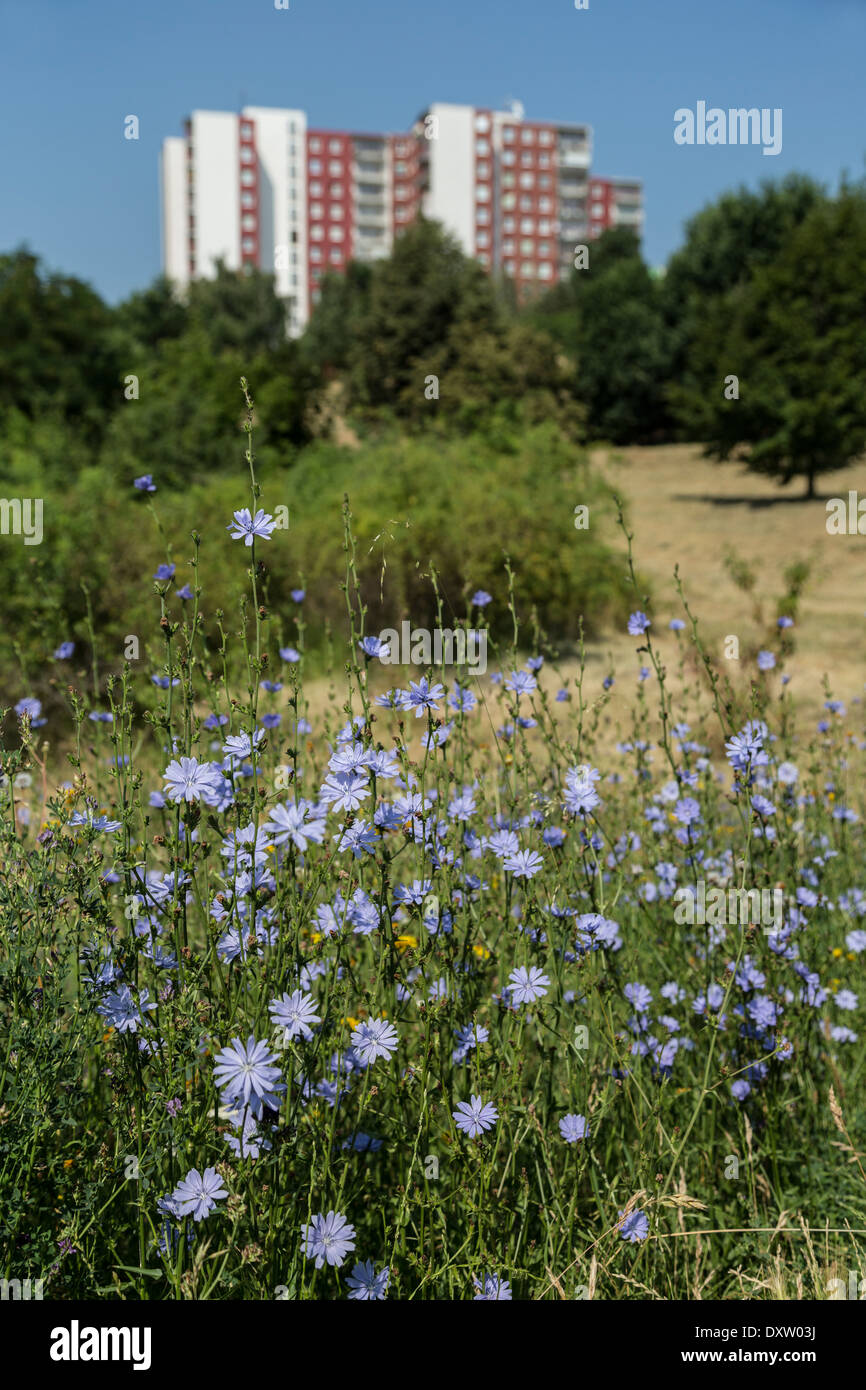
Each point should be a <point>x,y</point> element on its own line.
<point>420,981</point>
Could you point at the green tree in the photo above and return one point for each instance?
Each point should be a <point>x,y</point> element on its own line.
<point>337,318</point>
<point>239,311</point>
<point>725,243</point>
<point>150,316</point>
<point>58,350</point>
<point>793,337</point>
<point>608,318</point>
<point>186,422</point>
<point>416,296</point>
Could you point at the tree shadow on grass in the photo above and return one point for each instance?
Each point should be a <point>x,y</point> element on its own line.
<point>754,502</point>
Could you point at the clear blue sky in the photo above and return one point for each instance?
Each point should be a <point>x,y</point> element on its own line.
<point>87,200</point>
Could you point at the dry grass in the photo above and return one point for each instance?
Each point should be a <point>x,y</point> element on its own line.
<point>685,510</point>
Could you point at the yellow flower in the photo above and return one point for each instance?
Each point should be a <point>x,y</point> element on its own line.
<point>481,951</point>
<point>107,1035</point>
<point>68,1162</point>
<point>405,941</point>
<point>352,1022</point>
<point>837,952</point>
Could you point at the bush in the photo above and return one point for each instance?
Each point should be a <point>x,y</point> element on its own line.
<point>457,506</point>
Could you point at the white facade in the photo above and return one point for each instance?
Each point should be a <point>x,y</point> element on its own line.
<point>450,198</point>
<point>215,203</point>
<point>175,210</point>
<point>281,137</point>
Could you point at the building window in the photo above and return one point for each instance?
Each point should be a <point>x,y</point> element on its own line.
<point>482,239</point>
<point>525,203</point>
<point>248,176</point>
<point>315,253</point>
<point>482,170</point>
<point>482,123</point>
<point>336,233</point>
<point>315,166</point>
<point>508,224</point>
<point>482,193</point>
<point>526,158</point>
<point>528,135</point>
<point>336,190</point>
<point>248,199</point>
<point>335,168</point>
<point>315,143</point>
<point>545,205</point>
<point>544,248</point>
<point>508,134</point>
<point>507,180</point>
<point>527,270</point>
<point>249,245</point>
<point>482,215</point>
<point>248,222</point>
<point>598,209</point>
<point>246,130</point>
<point>527,226</point>
<point>317,232</point>
<point>545,137</point>
<point>544,181</point>
<point>315,190</point>
<point>527,180</point>
<point>508,247</point>
<point>337,212</point>
<point>482,147</point>
<point>545,272</point>
<point>544,227</point>
<point>527,246</point>
<point>510,267</point>
<point>316,210</point>
<point>336,255</point>
<point>335,146</point>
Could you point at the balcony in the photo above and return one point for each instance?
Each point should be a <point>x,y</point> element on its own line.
<point>573,158</point>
